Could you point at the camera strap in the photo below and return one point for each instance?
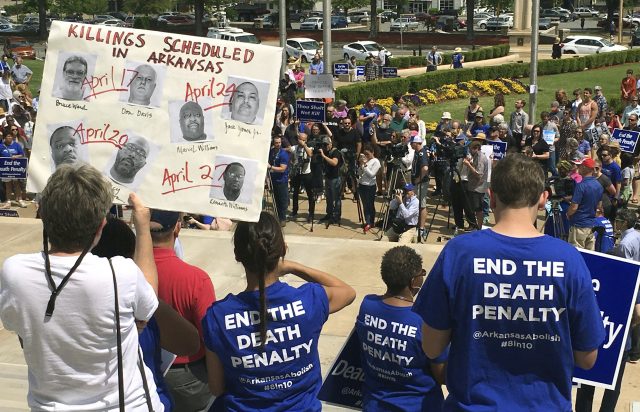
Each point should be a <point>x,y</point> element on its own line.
<point>55,291</point>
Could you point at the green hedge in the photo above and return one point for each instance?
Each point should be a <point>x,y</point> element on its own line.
<point>359,92</point>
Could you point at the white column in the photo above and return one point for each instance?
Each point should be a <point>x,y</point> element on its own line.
<point>526,16</point>
<point>517,14</point>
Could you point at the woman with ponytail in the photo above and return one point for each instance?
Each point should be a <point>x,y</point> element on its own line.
<point>262,344</point>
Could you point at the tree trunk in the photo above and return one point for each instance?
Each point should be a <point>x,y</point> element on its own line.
<point>42,16</point>
<point>470,33</point>
<point>373,32</point>
<point>199,12</point>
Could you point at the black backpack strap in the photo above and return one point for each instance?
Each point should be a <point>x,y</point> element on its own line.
<point>144,380</point>
<point>119,338</point>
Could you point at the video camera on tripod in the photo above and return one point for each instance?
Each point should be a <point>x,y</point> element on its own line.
<point>450,151</point>
<point>559,187</point>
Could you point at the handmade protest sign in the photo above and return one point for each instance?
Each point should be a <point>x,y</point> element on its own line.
<point>499,150</point>
<point>318,86</point>
<point>628,139</point>
<point>158,113</point>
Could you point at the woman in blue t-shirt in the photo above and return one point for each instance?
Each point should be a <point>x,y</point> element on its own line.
<point>262,344</point>
<point>398,376</point>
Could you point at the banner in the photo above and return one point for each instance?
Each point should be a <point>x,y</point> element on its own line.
<point>340,68</point>
<point>628,139</point>
<point>388,72</point>
<point>343,384</point>
<point>161,114</point>
<point>318,86</point>
<point>499,150</point>
<point>13,168</point>
<point>615,282</point>
<point>310,111</point>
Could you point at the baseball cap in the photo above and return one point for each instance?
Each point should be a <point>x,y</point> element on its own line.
<point>597,88</point>
<point>417,139</point>
<point>479,114</point>
<point>446,115</point>
<point>460,136</point>
<point>326,140</point>
<point>586,162</point>
<point>408,187</point>
<point>165,218</point>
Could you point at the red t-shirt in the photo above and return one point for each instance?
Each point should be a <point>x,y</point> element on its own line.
<point>188,289</point>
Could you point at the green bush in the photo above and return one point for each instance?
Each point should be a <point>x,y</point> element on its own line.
<point>483,53</point>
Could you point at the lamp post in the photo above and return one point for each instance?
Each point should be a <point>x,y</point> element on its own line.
<point>533,75</point>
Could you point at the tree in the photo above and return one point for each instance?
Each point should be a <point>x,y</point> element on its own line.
<point>147,7</point>
<point>373,32</point>
<point>346,5</point>
<point>471,4</point>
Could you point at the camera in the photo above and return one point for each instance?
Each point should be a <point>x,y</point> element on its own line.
<point>559,187</point>
<point>451,151</point>
<point>317,144</point>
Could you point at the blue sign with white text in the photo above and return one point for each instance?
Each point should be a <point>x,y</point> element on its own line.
<point>340,68</point>
<point>615,283</point>
<point>13,168</point>
<point>499,150</point>
<point>628,139</point>
<point>388,72</point>
<point>310,111</point>
<point>343,384</point>
<point>359,70</point>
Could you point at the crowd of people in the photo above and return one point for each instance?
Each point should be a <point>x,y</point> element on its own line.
<point>18,111</point>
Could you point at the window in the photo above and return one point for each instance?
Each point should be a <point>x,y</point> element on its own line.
<point>446,4</point>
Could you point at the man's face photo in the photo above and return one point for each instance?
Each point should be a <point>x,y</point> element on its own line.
<point>234,177</point>
<point>64,146</point>
<point>143,85</point>
<point>73,73</point>
<point>245,103</point>
<point>192,122</point>
<point>130,159</point>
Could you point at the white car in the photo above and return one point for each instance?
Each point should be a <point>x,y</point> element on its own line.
<point>112,23</point>
<point>312,23</point>
<point>404,24</point>
<point>589,45</point>
<point>363,49</point>
<point>302,47</point>
<point>585,12</point>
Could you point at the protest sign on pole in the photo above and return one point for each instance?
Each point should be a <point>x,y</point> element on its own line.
<point>615,283</point>
<point>340,69</point>
<point>343,384</point>
<point>310,111</point>
<point>318,86</point>
<point>628,139</point>
<point>161,114</point>
<point>389,72</point>
<point>13,168</point>
<point>499,150</point>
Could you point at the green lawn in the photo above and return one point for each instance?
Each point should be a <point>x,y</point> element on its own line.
<point>36,67</point>
<point>609,78</point>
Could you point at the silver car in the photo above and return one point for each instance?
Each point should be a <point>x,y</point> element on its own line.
<point>313,23</point>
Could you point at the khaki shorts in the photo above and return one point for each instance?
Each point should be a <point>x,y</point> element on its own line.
<point>582,237</point>
<point>422,192</point>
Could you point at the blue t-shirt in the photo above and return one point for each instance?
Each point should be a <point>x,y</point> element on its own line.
<point>151,354</point>
<point>285,375</point>
<point>586,195</point>
<point>456,59</point>
<point>13,149</point>
<point>517,308</point>
<point>277,159</point>
<point>482,128</point>
<point>607,240</point>
<point>366,136</point>
<point>397,375</point>
<point>613,172</point>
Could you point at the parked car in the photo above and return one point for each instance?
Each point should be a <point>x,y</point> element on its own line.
<point>299,16</point>
<point>544,23</point>
<point>101,17</point>
<point>363,49</point>
<point>357,16</point>
<point>585,12</point>
<point>499,23</point>
<point>565,12</point>
<point>389,15</point>
<point>129,21</point>
<point>302,47</point>
<point>404,24</point>
<point>313,23</point>
<point>232,34</point>
<point>604,23</point>
<point>554,15</point>
<point>339,22</point>
<point>477,17</point>
<point>112,23</point>
<point>18,46</point>
<point>589,45</point>
<point>267,21</point>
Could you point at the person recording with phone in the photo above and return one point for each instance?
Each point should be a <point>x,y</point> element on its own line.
<point>369,167</point>
<point>475,166</point>
<point>405,207</point>
<point>301,175</point>
<point>420,178</point>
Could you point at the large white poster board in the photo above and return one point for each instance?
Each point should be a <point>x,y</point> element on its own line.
<point>183,121</point>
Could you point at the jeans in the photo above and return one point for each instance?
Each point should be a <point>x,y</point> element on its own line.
<point>188,386</point>
<point>281,195</point>
<point>368,198</point>
<point>584,396</point>
<point>551,163</point>
<point>304,181</point>
<point>334,202</point>
<point>461,208</point>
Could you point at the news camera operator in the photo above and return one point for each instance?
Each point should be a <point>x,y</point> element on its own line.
<point>459,202</point>
<point>349,142</point>
<point>391,152</point>
<point>560,193</point>
<point>318,132</point>
<point>420,179</point>
<point>301,175</point>
<point>476,166</point>
<point>406,208</point>
<point>441,142</point>
<point>332,161</point>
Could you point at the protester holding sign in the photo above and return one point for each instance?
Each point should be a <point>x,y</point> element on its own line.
<point>262,344</point>
<point>398,375</point>
<point>519,313</point>
<point>13,188</point>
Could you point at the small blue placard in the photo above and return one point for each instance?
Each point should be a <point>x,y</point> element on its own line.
<point>340,68</point>
<point>388,72</point>
<point>13,168</point>
<point>499,150</point>
<point>615,283</point>
<point>359,71</point>
<point>628,139</point>
<point>343,384</point>
<point>8,213</point>
<point>310,111</point>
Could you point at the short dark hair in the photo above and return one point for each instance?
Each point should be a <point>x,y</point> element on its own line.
<point>117,240</point>
<point>399,265</point>
<point>517,181</point>
<point>628,216</point>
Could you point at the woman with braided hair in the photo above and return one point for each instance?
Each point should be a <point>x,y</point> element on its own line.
<point>262,344</point>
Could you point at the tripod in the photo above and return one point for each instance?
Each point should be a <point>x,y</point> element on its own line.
<point>557,221</point>
<point>268,194</point>
<point>392,182</point>
<point>353,177</point>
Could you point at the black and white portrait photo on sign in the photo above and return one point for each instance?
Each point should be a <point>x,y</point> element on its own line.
<point>73,70</point>
<point>190,122</point>
<point>66,145</point>
<point>233,179</point>
<point>247,102</point>
<point>144,83</point>
<point>128,164</point>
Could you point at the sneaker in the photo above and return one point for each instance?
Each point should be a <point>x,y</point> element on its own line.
<point>5,205</point>
<point>293,215</point>
<point>14,203</point>
<point>366,229</point>
<point>22,204</point>
<point>457,231</point>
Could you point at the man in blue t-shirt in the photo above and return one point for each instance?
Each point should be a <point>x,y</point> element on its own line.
<point>611,169</point>
<point>587,197</point>
<point>279,172</point>
<point>519,311</point>
<point>369,113</point>
<point>605,243</point>
<point>13,188</point>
